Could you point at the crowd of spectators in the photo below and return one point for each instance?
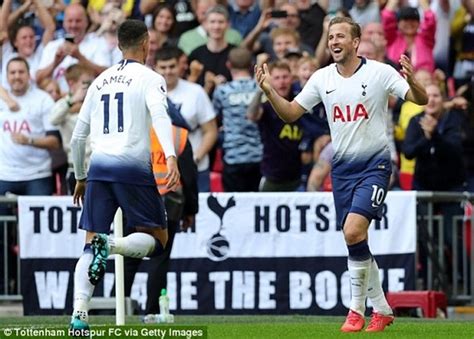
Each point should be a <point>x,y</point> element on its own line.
<point>206,50</point>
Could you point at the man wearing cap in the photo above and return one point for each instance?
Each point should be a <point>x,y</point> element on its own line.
<point>410,36</point>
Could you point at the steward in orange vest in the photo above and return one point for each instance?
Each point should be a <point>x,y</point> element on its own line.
<point>183,201</point>
<point>158,159</point>
<point>181,207</point>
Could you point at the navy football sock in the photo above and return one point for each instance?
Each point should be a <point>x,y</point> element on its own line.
<point>359,251</point>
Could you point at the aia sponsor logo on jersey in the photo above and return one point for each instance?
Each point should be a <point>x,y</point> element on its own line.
<point>291,132</point>
<point>16,127</point>
<point>347,113</point>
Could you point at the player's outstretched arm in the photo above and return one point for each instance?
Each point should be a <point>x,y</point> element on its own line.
<point>416,93</point>
<point>287,111</point>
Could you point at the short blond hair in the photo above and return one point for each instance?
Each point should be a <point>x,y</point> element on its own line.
<point>308,59</point>
<point>279,65</point>
<point>74,72</point>
<point>280,31</point>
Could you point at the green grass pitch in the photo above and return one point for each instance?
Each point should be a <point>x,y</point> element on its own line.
<point>274,327</point>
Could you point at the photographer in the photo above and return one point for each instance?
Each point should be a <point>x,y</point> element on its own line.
<point>78,46</point>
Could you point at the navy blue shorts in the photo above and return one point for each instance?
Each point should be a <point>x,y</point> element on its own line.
<point>141,205</point>
<point>364,196</point>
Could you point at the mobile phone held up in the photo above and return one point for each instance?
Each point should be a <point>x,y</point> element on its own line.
<point>69,38</point>
<point>278,14</point>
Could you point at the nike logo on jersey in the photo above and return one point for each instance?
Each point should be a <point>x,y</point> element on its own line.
<point>329,92</point>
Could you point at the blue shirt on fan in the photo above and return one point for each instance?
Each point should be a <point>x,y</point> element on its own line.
<point>242,142</point>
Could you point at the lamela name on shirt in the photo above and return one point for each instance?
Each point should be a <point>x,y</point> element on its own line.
<point>115,79</point>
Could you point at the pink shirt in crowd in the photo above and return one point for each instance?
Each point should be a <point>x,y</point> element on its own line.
<point>422,58</point>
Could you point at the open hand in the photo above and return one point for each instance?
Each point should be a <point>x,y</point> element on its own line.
<point>407,67</point>
<point>262,75</point>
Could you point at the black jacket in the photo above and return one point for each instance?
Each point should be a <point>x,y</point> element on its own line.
<point>439,163</point>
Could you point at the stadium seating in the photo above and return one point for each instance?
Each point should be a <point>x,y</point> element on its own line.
<point>428,301</point>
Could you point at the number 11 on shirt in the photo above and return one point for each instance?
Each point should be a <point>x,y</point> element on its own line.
<point>106,99</point>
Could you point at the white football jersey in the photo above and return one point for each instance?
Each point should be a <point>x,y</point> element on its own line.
<point>356,108</point>
<point>119,107</point>
<point>25,162</point>
<point>196,108</point>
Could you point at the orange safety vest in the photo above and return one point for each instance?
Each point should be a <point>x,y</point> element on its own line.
<point>158,159</point>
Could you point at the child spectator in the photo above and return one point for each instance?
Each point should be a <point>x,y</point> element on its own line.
<point>65,111</point>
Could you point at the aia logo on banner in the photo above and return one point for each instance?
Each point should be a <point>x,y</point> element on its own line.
<point>348,114</point>
<point>218,246</point>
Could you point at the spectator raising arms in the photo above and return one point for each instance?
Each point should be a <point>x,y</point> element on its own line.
<point>278,137</point>
<point>78,46</point>
<point>22,35</point>
<point>105,24</point>
<point>409,36</point>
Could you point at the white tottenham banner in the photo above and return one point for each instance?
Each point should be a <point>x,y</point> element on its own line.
<point>249,253</point>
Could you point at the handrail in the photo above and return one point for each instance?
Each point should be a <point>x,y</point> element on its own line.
<point>461,196</point>
<point>443,196</point>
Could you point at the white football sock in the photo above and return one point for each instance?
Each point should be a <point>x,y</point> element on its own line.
<point>83,289</point>
<point>135,245</point>
<point>375,292</point>
<point>359,274</point>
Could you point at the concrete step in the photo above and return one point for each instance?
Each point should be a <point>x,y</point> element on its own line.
<point>11,309</point>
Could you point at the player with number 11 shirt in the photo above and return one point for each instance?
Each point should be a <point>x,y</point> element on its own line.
<point>120,107</point>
